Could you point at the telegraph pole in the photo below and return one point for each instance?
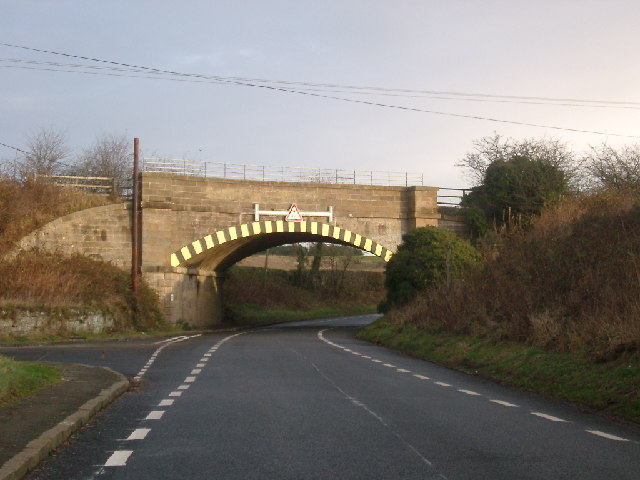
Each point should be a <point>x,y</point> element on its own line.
<point>135,201</point>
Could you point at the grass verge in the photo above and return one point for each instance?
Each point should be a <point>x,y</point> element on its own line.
<point>19,379</point>
<point>251,314</point>
<point>603,386</point>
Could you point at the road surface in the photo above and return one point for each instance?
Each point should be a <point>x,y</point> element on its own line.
<point>308,400</point>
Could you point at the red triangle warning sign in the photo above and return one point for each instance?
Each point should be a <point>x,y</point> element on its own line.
<point>294,214</point>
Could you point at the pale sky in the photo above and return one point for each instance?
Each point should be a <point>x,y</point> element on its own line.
<point>561,49</point>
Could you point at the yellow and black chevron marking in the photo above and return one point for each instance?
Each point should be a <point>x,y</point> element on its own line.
<point>279,226</point>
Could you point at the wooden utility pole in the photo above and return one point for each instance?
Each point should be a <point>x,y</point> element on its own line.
<point>135,201</point>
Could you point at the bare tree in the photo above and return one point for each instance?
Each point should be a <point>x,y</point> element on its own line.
<point>614,168</point>
<point>46,149</point>
<point>490,149</point>
<point>109,156</point>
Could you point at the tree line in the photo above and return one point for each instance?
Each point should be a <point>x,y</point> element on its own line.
<point>47,153</point>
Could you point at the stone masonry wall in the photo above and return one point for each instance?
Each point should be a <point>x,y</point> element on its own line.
<point>180,209</point>
<point>99,232</point>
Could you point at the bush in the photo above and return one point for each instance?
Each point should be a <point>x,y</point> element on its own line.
<point>426,256</point>
<point>514,191</point>
<point>570,283</point>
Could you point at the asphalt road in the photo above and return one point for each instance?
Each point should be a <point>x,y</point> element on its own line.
<point>310,401</point>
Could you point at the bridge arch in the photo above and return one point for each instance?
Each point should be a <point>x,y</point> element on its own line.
<point>223,248</point>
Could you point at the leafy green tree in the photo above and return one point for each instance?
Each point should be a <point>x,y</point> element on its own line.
<point>519,187</point>
<point>426,256</point>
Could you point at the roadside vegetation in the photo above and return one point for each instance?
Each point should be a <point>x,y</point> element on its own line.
<point>59,285</point>
<point>553,306</point>
<point>255,296</point>
<point>18,379</point>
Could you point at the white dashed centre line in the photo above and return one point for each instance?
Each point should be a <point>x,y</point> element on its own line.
<point>175,394</point>
<point>442,384</point>
<point>607,435</point>
<point>503,403</point>
<point>469,392</point>
<point>376,361</point>
<point>402,370</point>
<point>389,365</point>
<point>155,415</point>
<point>547,417</point>
<point>201,365</point>
<point>139,434</point>
<point>184,387</point>
<point>196,371</point>
<point>118,458</point>
<point>421,377</point>
<point>189,379</point>
<point>167,402</point>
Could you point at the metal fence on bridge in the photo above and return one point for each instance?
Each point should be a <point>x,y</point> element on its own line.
<point>265,173</point>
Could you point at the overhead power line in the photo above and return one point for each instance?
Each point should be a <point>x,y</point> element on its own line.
<point>14,148</point>
<point>253,83</point>
<point>102,70</point>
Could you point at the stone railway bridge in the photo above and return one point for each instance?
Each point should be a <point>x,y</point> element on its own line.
<point>194,228</point>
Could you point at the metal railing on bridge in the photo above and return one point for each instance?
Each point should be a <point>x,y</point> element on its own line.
<point>264,173</point>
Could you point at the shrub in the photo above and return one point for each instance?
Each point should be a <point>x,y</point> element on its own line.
<point>425,257</point>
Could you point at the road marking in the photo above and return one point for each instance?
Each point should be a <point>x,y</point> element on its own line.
<point>421,377</point>
<point>167,402</point>
<point>118,458</point>
<point>201,365</point>
<point>163,344</point>
<point>155,415</point>
<point>189,379</point>
<point>366,356</point>
<point>548,417</point>
<point>442,384</point>
<point>184,387</point>
<point>469,392</point>
<point>389,365</point>
<point>175,394</point>
<point>607,435</point>
<point>203,359</point>
<point>207,355</point>
<point>376,361</point>
<point>196,371</point>
<point>402,370</point>
<point>139,434</point>
<point>503,403</point>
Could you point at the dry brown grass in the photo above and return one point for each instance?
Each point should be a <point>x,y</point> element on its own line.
<point>41,282</point>
<point>571,283</point>
<point>27,205</point>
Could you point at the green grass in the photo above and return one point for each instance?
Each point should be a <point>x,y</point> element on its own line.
<point>250,314</point>
<point>18,379</point>
<point>603,386</point>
